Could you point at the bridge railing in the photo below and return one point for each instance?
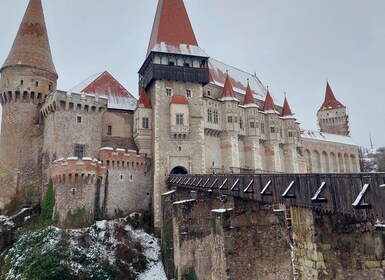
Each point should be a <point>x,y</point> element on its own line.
<point>359,195</point>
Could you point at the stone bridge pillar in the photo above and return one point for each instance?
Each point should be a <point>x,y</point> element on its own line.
<point>331,246</point>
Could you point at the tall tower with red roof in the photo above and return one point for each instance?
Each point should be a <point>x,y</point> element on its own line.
<point>173,75</point>
<point>332,116</point>
<point>27,76</point>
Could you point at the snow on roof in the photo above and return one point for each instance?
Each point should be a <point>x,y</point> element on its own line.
<point>81,86</point>
<point>104,84</point>
<point>328,137</point>
<point>184,49</point>
<point>239,78</point>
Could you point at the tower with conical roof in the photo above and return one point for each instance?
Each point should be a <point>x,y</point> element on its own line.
<point>27,76</point>
<point>173,75</point>
<point>332,116</point>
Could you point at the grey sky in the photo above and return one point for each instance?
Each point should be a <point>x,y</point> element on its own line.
<point>293,46</point>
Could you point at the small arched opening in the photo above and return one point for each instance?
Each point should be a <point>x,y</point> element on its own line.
<point>179,170</point>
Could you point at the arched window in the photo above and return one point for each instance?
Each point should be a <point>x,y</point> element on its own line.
<point>326,161</point>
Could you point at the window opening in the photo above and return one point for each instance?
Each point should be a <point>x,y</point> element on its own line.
<point>79,151</point>
<point>145,122</point>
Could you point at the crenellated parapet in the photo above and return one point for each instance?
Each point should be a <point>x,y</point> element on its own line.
<point>70,101</point>
<point>124,160</point>
<point>74,170</point>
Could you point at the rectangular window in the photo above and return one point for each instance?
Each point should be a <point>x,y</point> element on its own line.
<point>145,123</point>
<point>252,124</point>
<point>79,151</point>
<point>216,117</point>
<point>230,119</point>
<point>272,129</point>
<point>290,134</point>
<point>79,119</point>
<point>168,92</point>
<point>179,119</point>
<point>209,115</point>
<point>262,128</point>
<point>188,93</point>
<point>109,130</point>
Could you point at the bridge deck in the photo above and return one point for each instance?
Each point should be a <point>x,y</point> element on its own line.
<point>359,195</point>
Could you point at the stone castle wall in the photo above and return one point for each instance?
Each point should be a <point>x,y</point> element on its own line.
<point>129,182</point>
<point>230,239</point>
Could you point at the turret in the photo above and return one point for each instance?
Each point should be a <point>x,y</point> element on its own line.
<point>332,116</point>
<point>27,76</point>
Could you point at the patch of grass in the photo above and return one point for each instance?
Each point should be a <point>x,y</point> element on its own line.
<point>77,218</point>
<point>190,274</point>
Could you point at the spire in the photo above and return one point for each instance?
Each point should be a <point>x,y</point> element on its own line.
<point>171,26</point>
<point>249,100</point>
<point>269,103</point>
<point>228,92</point>
<point>286,110</point>
<point>31,45</point>
<point>330,101</point>
<point>143,100</point>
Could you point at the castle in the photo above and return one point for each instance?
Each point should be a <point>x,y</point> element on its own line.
<point>109,154</point>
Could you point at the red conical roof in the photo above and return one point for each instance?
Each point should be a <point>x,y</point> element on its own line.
<point>171,25</point>
<point>143,99</point>
<point>269,103</point>
<point>330,101</point>
<point>31,45</point>
<point>286,110</point>
<point>228,92</point>
<point>249,97</point>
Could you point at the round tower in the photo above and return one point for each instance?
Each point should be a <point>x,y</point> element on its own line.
<point>27,76</point>
<point>332,116</point>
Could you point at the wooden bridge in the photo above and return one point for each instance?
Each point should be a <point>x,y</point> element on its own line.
<point>360,195</point>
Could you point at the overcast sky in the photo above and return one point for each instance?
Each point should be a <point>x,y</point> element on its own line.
<point>293,46</point>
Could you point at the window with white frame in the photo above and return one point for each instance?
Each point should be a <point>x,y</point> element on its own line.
<point>179,119</point>
<point>188,93</point>
<point>145,122</point>
<point>169,92</point>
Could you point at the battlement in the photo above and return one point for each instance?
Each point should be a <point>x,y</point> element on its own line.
<point>21,97</point>
<point>74,170</point>
<point>64,101</point>
<point>122,159</point>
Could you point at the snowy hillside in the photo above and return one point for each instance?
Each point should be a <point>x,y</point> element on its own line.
<point>106,250</point>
